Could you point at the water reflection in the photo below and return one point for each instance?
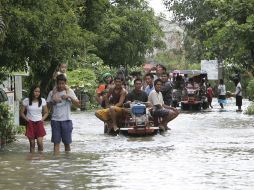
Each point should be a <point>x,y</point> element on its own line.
<point>204,150</point>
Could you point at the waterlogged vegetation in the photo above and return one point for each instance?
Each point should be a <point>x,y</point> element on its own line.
<point>250,94</point>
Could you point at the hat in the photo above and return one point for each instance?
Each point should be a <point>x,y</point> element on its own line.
<point>106,75</point>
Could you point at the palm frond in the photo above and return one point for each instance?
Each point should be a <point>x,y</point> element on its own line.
<point>2,25</point>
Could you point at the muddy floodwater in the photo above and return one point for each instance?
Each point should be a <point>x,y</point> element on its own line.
<point>206,150</point>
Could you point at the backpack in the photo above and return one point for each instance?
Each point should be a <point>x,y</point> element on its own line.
<point>3,96</point>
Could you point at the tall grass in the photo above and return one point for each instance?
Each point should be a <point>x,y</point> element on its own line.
<point>250,109</point>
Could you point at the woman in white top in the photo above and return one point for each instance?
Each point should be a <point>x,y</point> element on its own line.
<point>222,93</point>
<point>36,112</point>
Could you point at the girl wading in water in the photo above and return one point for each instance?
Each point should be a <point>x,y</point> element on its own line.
<point>36,112</point>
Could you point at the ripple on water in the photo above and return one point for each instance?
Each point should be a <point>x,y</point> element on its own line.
<point>204,150</point>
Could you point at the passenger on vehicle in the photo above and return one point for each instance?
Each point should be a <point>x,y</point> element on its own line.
<point>166,89</point>
<point>203,89</point>
<point>114,101</point>
<point>160,109</point>
<point>186,78</point>
<point>179,82</point>
<point>192,84</point>
<point>160,69</point>
<point>137,94</point>
<point>149,81</point>
<point>103,88</point>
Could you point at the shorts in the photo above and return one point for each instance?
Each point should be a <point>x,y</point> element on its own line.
<point>222,99</point>
<point>209,99</point>
<point>103,104</point>
<point>35,129</point>
<point>238,100</point>
<point>168,102</point>
<point>160,113</point>
<point>61,130</point>
<point>104,114</point>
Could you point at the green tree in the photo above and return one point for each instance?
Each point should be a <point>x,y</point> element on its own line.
<point>2,25</point>
<point>192,14</point>
<point>220,29</point>
<point>230,35</point>
<point>2,28</point>
<point>6,124</point>
<point>127,31</point>
<point>42,34</point>
<point>93,14</point>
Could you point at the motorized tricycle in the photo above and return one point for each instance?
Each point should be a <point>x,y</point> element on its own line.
<point>135,121</point>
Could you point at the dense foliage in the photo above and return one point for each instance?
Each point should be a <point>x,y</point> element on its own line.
<point>218,29</point>
<point>2,25</point>
<point>250,109</point>
<point>42,34</point>
<point>250,90</point>
<point>83,79</point>
<point>6,124</point>
<point>129,32</point>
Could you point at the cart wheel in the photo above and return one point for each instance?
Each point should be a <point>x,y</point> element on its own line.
<point>205,105</point>
<point>105,128</point>
<point>197,107</point>
<point>185,106</point>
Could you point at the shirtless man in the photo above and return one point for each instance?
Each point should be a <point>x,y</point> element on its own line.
<point>114,101</point>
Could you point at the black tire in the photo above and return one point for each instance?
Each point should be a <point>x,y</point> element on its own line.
<point>205,105</point>
<point>197,107</point>
<point>174,103</point>
<point>185,106</point>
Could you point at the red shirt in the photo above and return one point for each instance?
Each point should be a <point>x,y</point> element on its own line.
<point>210,92</point>
<point>101,88</point>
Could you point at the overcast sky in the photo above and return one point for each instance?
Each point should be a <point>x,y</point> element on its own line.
<point>158,7</point>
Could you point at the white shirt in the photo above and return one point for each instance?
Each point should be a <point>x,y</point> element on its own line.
<point>34,113</point>
<point>238,89</point>
<point>61,110</point>
<point>222,89</point>
<point>149,89</point>
<point>155,98</point>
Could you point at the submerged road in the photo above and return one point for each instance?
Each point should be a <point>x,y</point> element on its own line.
<point>212,149</point>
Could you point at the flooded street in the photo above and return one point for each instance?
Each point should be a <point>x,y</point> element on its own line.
<point>204,150</point>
